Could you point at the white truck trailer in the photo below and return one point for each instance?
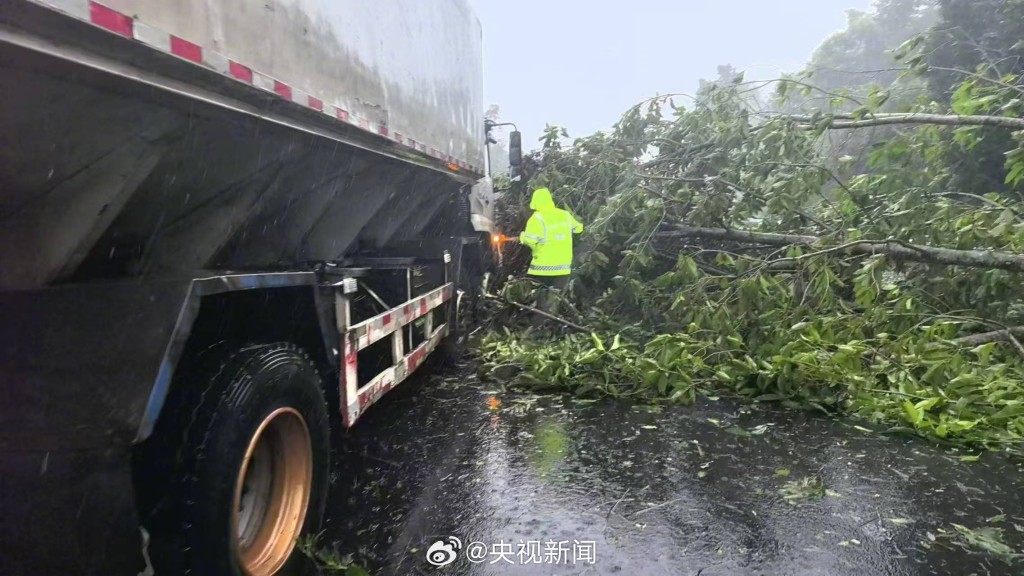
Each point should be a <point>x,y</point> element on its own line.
<point>220,222</point>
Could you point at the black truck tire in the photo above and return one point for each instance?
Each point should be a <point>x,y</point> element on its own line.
<point>256,456</point>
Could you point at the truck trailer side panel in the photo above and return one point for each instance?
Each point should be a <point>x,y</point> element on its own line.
<point>119,160</point>
<point>411,67</point>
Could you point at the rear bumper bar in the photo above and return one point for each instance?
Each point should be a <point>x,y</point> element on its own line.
<point>356,398</point>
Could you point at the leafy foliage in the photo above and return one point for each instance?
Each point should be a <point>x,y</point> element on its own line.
<point>808,488</point>
<point>862,58</point>
<point>326,560</point>
<point>818,327</point>
<point>987,539</point>
<point>979,41</point>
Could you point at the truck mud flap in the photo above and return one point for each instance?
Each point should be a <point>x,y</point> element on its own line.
<point>77,364</point>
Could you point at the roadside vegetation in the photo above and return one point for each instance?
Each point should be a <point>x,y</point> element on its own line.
<point>327,560</point>
<point>833,240</point>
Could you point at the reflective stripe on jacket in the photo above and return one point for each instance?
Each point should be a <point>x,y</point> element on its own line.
<point>549,235</point>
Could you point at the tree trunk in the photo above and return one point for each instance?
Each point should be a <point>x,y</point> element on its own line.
<point>994,336</point>
<point>846,121</point>
<point>896,249</point>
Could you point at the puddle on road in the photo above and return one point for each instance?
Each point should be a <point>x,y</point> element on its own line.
<point>710,489</point>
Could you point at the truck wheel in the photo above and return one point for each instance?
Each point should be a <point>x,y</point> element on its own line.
<point>256,463</point>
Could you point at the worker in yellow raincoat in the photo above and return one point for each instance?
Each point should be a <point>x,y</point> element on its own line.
<point>548,235</point>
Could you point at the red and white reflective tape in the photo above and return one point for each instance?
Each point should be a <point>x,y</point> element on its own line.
<point>129,27</point>
<point>379,327</point>
<point>359,398</point>
<point>391,377</point>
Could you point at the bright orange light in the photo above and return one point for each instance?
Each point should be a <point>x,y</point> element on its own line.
<point>499,239</point>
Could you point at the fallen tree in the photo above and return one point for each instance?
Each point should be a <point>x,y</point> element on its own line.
<point>728,255</point>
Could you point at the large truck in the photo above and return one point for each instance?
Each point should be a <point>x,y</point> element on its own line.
<point>221,221</point>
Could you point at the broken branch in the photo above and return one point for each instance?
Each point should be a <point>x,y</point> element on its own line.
<point>894,248</point>
<point>993,336</point>
<point>846,121</point>
<point>539,312</point>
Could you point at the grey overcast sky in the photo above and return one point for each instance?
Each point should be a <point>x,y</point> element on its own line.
<point>580,64</point>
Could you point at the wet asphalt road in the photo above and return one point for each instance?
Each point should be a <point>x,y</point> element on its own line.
<point>669,490</point>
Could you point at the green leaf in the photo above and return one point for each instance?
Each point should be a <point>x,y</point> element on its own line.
<point>1016,174</point>
<point>913,414</point>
